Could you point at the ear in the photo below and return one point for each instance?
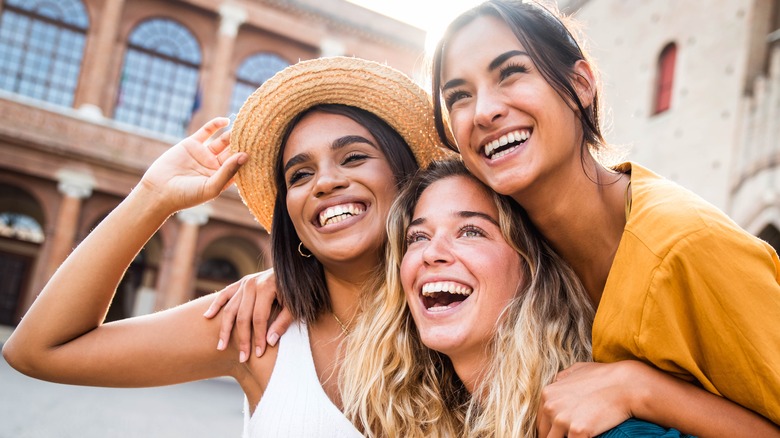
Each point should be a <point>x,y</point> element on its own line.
<point>584,82</point>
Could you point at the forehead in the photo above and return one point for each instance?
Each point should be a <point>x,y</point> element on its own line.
<point>318,130</point>
<point>455,194</point>
<point>477,43</point>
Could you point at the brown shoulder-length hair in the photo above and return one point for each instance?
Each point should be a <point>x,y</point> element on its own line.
<point>550,44</point>
<point>301,280</point>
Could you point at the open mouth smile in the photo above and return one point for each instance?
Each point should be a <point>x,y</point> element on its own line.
<point>506,143</point>
<point>339,213</point>
<point>442,295</point>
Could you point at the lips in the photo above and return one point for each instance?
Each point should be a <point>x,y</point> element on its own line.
<point>506,143</point>
<point>439,296</point>
<point>338,213</point>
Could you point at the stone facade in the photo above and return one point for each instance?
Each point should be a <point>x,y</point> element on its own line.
<point>721,135</point>
<point>66,167</point>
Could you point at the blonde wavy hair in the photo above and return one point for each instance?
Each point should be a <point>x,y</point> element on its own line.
<point>393,385</point>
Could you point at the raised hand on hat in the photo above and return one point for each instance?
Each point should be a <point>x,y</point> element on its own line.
<point>195,170</point>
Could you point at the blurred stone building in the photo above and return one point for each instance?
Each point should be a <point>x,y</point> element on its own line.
<point>92,91</point>
<point>693,92</point>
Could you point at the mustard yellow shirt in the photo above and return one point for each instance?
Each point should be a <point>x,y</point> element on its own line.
<point>695,295</point>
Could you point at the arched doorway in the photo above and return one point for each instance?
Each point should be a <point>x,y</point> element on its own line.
<point>21,236</point>
<point>225,261</point>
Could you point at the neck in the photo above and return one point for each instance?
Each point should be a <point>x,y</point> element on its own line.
<point>344,296</point>
<point>470,369</point>
<point>583,217</point>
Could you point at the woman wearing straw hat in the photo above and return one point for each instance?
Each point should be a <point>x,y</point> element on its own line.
<point>322,147</point>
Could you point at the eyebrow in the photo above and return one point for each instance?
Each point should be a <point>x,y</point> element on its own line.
<point>494,64</point>
<point>462,214</point>
<point>336,145</point>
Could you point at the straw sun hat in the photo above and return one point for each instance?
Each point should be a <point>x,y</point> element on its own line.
<point>374,87</point>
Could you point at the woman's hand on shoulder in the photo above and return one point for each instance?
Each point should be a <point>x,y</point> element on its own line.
<point>587,399</point>
<point>195,170</point>
<point>248,305</point>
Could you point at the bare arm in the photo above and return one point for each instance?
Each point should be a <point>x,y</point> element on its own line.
<point>62,338</point>
<point>590,398</point>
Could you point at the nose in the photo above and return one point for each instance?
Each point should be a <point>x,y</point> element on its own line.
<point>489,108</point>
<point>329,178</point>
<point>438,251</point>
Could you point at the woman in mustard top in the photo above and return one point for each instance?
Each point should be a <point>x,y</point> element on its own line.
<point>676,283</point>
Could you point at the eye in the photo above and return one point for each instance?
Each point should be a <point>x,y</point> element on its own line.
<point>355,157</point>
<point>415,236</point>
<point>510,69</point>
<point>452,97</point>
<point>297,176</point>
<point>471,231</point>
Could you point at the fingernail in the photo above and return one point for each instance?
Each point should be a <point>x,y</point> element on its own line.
<point>221,345</point>
<point>206,313</point>
<point>258,351</point>
<point>242,357</point>
<point>272,338</point>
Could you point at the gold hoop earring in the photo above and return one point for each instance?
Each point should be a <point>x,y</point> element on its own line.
<point>300,250</point>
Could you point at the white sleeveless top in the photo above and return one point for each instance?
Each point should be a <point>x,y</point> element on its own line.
<point>294,403</point>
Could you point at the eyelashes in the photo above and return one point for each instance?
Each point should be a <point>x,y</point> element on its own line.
<point>467,231</point>
<point>351,159</point>
<point>451,97</point>
<point>511,68</point>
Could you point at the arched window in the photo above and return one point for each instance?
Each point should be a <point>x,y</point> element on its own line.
<point>255,70</point>
<point>41,47</point>
<point>20,227</point>
<point>665,78</point>
<point>159,84</point>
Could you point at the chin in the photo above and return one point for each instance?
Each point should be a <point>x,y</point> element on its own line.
<point>443,340</point>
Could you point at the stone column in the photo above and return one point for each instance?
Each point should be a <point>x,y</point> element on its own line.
<point>219,86</point>
<point>74,186</point>
<point>182,269</point>
<point>98,58</point>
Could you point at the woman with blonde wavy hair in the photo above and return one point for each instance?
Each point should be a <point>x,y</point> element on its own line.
<point>398,386</point>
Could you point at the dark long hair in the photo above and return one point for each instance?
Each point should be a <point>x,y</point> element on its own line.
<point>301,281</point>
<point>546,37</point>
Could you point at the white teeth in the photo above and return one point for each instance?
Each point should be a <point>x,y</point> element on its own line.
<point>514,136</point>
<point>429,289</point>
<point>440,308</point>
<point>338,213</point>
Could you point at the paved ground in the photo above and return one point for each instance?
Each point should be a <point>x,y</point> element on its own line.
<point>32,408</point>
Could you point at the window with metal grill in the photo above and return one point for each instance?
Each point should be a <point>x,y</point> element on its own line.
<point>255,70</point>
<point>41,48</point>
<point>158,89</point>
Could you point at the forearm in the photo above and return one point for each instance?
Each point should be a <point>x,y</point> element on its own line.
<point>671,402</point>
<point>77,297</point>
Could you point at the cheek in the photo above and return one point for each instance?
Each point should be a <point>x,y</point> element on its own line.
<point>461,127</point>
<point>408,269</point>
<point>294,207</point>
<point>510,280</point>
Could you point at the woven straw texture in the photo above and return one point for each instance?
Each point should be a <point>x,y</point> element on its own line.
<point>368,85</point>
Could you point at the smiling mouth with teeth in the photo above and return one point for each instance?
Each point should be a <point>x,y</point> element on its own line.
<point>338,213</point>
<point>443,295</point>
<point>506,143</point>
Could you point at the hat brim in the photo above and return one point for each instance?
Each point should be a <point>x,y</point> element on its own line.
<point>379,89</point>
